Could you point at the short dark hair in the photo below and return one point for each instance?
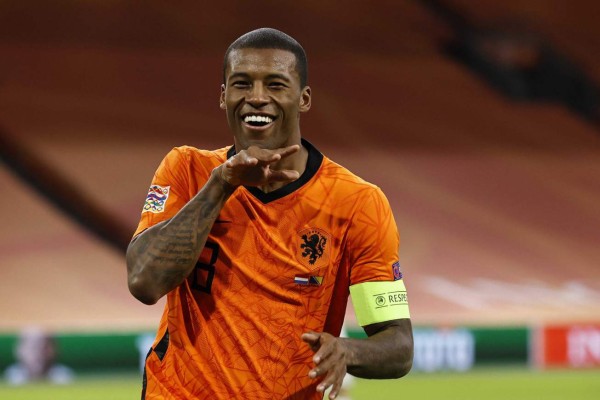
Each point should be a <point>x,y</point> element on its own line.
<point>269,38</point>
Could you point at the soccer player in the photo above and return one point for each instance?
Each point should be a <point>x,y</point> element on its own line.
<point>36,354</point>
<point>257,247</point>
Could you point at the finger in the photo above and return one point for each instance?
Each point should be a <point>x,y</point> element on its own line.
<point>325,349</point>
<point>319,369</point>
<point>323,386</point>
<point>266,156</point>
<point>335,390</point>
<point>333,380</point>
<point>263,156</point>
<point>310,337</point>
<point>241,159</point>
<point>324,365</point>
<point>326,383</point>
<point>286,151</point>
<point>283,176</point>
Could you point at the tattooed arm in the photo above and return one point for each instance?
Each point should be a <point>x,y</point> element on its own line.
<point>160,258</point>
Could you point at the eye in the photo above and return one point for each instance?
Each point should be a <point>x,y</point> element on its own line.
<point>277,85</point>
<point>240,84</point>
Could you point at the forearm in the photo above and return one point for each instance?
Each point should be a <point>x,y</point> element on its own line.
<point>161,257</point>
<point>387,353</point>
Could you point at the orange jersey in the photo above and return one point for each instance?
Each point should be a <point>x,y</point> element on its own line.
<point>275,265</point>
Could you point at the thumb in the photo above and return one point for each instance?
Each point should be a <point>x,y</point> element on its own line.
<point>311,338</point>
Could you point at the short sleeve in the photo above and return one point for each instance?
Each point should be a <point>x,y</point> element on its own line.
<point>168,192</point>
<point>373,241</point>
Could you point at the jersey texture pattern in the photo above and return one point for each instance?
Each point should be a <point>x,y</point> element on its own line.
<point>275,265</point>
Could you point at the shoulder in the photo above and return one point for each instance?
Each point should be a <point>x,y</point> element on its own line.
<point>342,193</point>
<point>193,154</point>
<point>188,157</point>
<point>347,182</point>
<point>187,165</point>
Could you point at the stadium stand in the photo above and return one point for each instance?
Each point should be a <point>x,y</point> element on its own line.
<point>498,202</point>
<point>569,25</point>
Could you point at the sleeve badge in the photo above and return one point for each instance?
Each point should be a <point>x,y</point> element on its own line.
<point>396,270</point>
<point>156,199</point>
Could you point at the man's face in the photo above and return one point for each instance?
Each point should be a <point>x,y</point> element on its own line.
<point>263,98</point>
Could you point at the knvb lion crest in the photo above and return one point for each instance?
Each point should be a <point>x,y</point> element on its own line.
<point>313,246</point>
<point>313,250</point>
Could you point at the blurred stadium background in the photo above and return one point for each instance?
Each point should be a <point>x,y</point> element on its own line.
<point>477,119</point>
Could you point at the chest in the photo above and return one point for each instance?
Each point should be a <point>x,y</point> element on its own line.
<point>283,248</point>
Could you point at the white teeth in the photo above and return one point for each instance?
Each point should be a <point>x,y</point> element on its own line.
<point>258,118</point>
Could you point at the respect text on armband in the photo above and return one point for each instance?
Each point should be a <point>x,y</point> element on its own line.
<point>390,299</point>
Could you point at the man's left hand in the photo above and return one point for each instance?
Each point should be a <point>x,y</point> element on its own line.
<point>331,360</point>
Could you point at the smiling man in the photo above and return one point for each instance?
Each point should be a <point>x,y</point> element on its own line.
<point>257,247</point>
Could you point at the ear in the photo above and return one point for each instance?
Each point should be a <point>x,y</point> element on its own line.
<point>222,98</point>
<point>305,99</point>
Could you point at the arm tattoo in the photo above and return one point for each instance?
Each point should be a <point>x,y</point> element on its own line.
<point>164,255</point>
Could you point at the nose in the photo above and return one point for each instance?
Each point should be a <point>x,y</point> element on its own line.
<point>257,95</point>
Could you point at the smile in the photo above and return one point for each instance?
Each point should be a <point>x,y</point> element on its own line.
<point>257,121</point>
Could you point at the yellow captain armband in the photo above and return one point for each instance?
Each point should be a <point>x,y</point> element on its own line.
<point>379,301</point>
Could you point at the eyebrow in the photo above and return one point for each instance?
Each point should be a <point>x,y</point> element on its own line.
<point>278,76</point>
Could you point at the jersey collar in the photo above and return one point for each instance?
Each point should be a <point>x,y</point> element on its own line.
<point>315,159</point>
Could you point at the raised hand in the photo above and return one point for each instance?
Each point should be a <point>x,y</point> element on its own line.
<point>330,360</point>
<point>254,167</point>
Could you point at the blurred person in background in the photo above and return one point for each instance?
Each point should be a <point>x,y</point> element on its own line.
<point>36,354</point>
